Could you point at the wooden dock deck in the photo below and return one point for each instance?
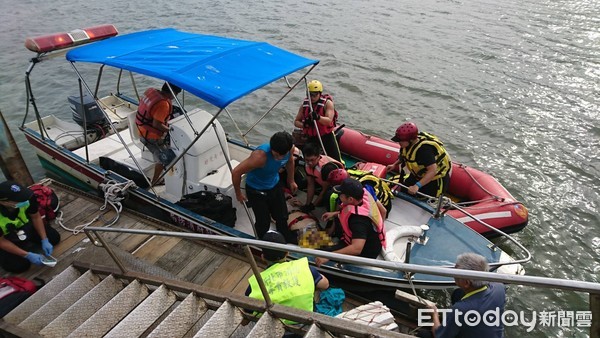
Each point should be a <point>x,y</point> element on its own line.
<point>187,260</point>
<point>193,261</point>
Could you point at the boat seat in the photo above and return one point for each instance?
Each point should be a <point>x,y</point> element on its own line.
<point>396,239</point>
<point>135,137</point>
<point>220,179</point>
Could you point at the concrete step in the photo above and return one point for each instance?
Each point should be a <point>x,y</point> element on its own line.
<point>61,302</point>
<point>84,308</point>
<point>144,315</point>
<point>182,318</point>
<point>112,313</point>
<point>222,323</point>
<point>42,296</point>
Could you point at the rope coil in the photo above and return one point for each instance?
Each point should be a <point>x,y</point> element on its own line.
<point>114,192</point>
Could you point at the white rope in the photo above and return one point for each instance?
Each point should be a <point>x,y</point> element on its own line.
<point>114,193</point>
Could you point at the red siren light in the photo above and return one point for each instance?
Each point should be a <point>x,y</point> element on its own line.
<point>49,43</point>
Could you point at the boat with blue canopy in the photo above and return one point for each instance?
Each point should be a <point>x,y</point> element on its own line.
<point>101,147</point>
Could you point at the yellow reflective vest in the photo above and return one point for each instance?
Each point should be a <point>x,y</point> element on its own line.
<point>288,283</point>
<point>7,225</point>
<point>408,156</point>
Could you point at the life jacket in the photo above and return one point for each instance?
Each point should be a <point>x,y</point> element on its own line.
<point>47,200</point>
<point>382,189</point>
<point>8,225</point>
<point>289,283</point>
<point>319,109</point>
<point>408,156</point>
<point>316,170</point>
<point>368,207</point>
<point>144,117</point>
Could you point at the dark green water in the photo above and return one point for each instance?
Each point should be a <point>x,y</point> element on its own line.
<point>512,88</point>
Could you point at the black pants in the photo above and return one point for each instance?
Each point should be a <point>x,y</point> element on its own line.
<point>17,264</point>
<point>330,144</point>
<point>267,204</point>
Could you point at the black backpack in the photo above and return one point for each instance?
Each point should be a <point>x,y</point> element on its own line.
<point>214,205</point>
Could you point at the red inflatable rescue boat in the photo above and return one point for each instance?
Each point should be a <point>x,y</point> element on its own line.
<point>474,191</point>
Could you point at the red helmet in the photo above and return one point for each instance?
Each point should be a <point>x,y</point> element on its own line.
<point>406,132</point>
<point>337,176</point>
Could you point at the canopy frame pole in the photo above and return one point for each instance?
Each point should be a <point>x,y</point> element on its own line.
<point>100,71</point>
<point>85,130</point>
<point>112,127</point>
<point>228,161</point>
<point>187,117</point>
<point>237,127</point>
<point>198,135</point>
<point>31,100</point>
<point>284,95</point>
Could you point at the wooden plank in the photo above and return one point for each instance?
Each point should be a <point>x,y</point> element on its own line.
<point>198,265</point>
<point>64,196</point>
<point>210,266</point>
<point>194,265</point>
<point>227,275</point>
<point>414,300</point>
<point>179,256</point>
<point>155,248</point>
<point>240,288</point>
<point>130,242</point>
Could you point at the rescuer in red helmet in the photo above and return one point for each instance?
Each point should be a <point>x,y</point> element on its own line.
<point>425,158</point>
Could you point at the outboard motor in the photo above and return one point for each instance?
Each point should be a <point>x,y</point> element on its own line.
<point>94,118</point>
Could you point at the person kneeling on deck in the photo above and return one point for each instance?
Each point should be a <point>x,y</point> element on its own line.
<point>263,188</point>
<point>473,296</point>
<point>361,218</point>
<point>425,158</point>
<point>155,109</point>
<point>22,226</point>
<point>290,283</point>
<point>315,162</point>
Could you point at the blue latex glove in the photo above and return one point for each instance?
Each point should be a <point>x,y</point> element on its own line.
<point>34,258</point>
<point>47,247</point>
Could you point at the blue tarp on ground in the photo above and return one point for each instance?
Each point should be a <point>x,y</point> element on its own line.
<point>218,70</point>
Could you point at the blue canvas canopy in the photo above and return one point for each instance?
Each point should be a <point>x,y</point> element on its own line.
<point>218,70</point>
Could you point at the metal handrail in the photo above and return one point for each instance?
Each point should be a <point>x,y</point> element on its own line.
<point>545,282</point>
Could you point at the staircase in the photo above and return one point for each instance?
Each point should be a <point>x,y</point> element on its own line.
<point>90,303</point>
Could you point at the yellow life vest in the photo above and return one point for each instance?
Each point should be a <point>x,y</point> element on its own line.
<point>382,189</point>
<point>409,156</point>
<point>7,225</point>
<point>289,283</point>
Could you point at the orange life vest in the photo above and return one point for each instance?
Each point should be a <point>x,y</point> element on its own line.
<point>368,207</point>
<point>319,109</point>
<point>144,116</point>
<point>316,170</point>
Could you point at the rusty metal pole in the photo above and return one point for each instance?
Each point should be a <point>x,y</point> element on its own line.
<point>11,162</point>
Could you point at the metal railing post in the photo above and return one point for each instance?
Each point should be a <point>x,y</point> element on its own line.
<point>110,252</point>
<point>259,279</point>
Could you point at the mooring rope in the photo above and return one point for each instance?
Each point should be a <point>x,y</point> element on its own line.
<point>114,193</point>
